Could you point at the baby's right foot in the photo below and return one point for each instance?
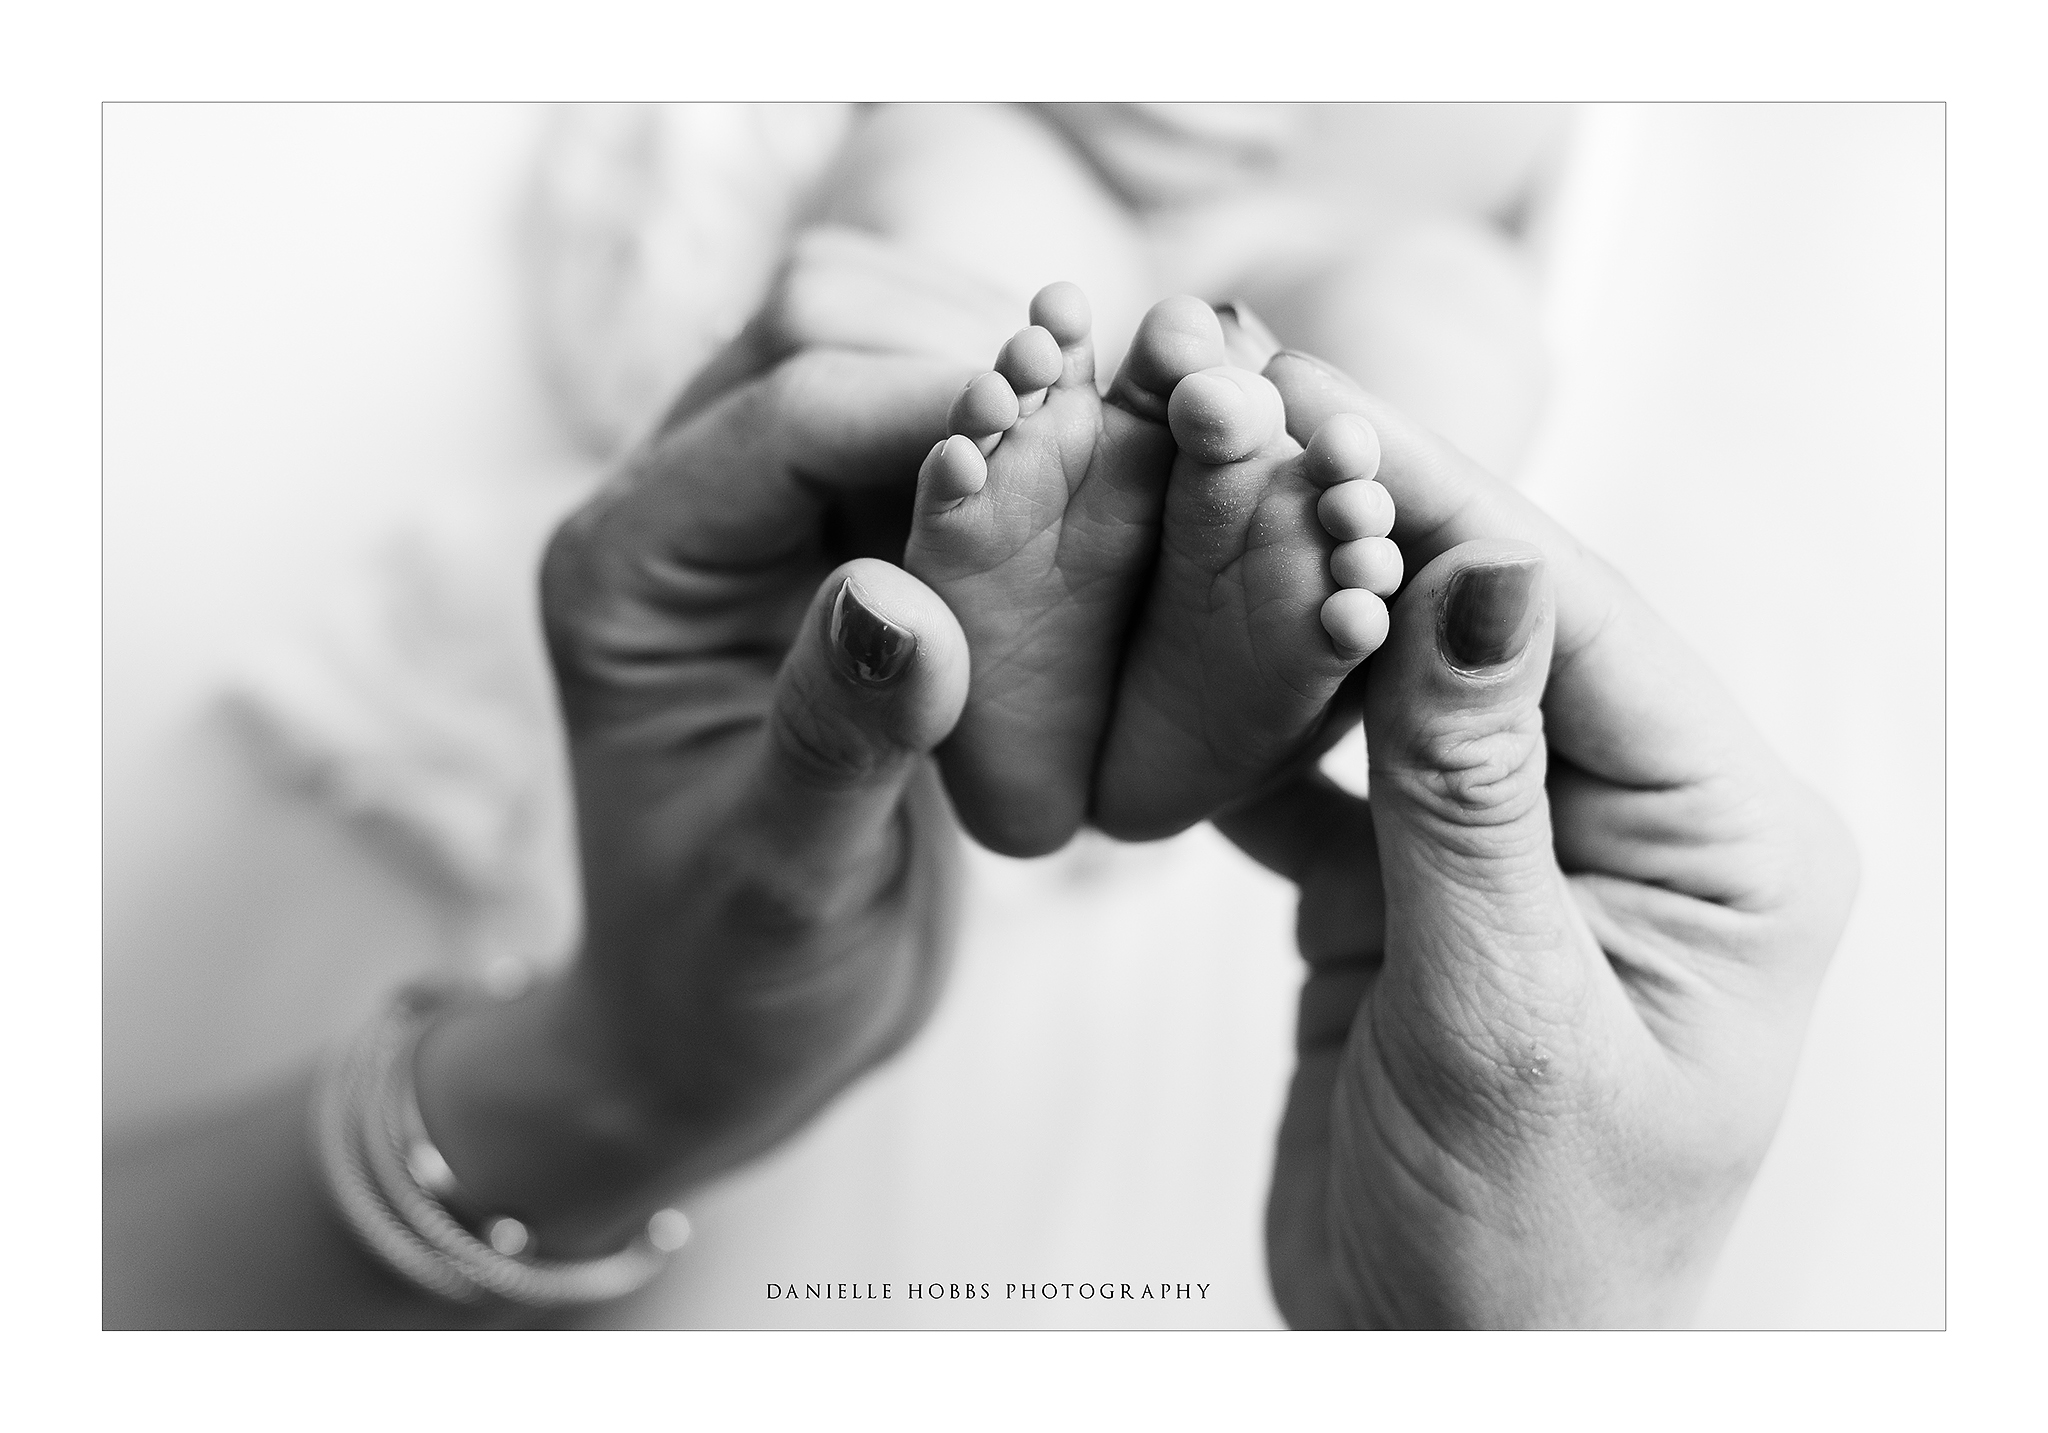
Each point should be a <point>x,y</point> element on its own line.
<point>1273,564</point>
<point>1036,522</point>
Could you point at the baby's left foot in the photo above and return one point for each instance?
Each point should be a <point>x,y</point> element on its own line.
<point>1273,563</point>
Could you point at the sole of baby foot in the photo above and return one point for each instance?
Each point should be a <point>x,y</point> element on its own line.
<point>1036,522</point>
<point>1274,567</point>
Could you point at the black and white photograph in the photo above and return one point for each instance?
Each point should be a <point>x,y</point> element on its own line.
<point>1024,716</point>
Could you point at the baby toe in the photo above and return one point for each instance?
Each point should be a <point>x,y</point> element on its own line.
<point>1061,309</point>
<point>1353,510</point>
<point>1344,449</point>
<point>954,469</point>
<point>1356,621</point>
<point>1177,337</point>
<point>1031,362</point>
<point>985,410</point>
<point>1371,564</point>
<point>1224,415</point>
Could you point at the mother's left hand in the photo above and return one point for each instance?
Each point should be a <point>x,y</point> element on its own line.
<point>768,862</point>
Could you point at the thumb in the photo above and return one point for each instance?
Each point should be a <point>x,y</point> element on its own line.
<point>875,679</point>
<point>1478,921</point>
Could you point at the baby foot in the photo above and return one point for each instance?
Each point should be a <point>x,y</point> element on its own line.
<point>1273,564</point>
<point>1036,522</point>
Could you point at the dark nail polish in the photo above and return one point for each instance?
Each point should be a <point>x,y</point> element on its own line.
<point>868,646</point>
<point>1487,613</point>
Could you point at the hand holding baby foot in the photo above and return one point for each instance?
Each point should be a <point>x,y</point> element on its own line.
<point>1560,967</point>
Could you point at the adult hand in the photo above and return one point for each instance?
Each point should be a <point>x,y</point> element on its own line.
<point>1561,966</point>
<point>768,860</point>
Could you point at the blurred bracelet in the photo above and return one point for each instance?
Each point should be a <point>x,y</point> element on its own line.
<point>400,1199</point>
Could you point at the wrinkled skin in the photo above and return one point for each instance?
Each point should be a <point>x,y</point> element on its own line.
<point>770,867</point>
<point>1560,967</point>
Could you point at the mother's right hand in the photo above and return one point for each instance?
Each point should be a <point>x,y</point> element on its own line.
<point>768,859</point>
<point>1561,964</point>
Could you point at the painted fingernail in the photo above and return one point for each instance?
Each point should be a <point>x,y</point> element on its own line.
<point>868,646</point>
<point>1487,613</point>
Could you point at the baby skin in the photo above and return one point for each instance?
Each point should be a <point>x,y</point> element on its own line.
<point>1274,566</point>
<point>1161,590</point>
<point>1036,522</point>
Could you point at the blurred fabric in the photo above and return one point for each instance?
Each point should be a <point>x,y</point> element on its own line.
<point>344,405</point>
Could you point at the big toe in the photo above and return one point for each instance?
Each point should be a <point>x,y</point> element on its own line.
<point>1062,310</point>
<point>1178,337</point>
<point>1224,415</point>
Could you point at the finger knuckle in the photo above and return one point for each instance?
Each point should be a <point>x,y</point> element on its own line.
<point>598,621</point>
<point>573,579</point>
<point>781,914</point>
<point>798,918</point>
<point>821,749</point>
<point>1476,775</point>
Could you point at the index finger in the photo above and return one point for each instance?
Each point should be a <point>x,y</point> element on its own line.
<point>842,288</point>
<point>745,482</point>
